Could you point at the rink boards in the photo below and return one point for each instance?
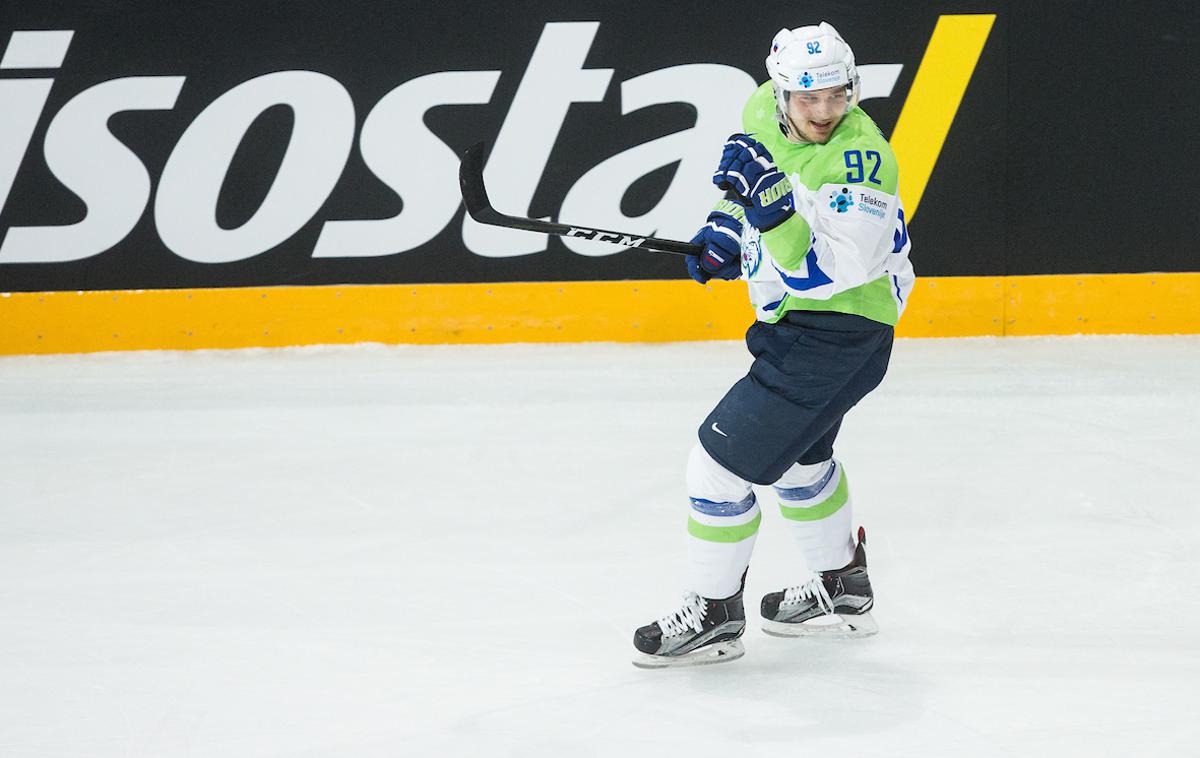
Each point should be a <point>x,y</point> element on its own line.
<point>165,184</point>
<point>616,311</point>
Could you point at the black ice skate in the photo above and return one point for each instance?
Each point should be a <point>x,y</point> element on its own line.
<point>702,631</point>
<point>829,604</point>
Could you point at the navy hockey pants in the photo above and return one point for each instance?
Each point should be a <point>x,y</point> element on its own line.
<point>809,370</point>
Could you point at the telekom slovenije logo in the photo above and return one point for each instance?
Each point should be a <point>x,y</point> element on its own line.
<point>841,201</point>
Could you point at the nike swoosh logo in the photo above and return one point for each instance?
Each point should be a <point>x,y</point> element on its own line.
<point>718,431</point>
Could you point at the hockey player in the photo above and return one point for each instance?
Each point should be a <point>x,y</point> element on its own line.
<point>812,219</point>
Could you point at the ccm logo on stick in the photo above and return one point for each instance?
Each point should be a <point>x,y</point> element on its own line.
<point>593,234</point>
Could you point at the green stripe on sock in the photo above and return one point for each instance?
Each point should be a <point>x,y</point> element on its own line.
<point>823,509</point>
<point>724,533</point>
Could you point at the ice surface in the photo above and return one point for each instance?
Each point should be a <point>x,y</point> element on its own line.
<point>443,551</point>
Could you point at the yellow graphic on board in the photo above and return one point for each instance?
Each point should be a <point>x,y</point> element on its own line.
<point>933,100</point>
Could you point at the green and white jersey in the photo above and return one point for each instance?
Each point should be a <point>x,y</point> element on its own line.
<point>846,247</point>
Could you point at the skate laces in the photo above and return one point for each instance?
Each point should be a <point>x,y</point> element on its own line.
<point>690,616</point>
<point>812,589</point>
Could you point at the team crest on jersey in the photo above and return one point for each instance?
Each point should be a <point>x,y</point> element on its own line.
<point>751,258</point>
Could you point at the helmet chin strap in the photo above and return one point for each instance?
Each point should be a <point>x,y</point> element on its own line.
<point>792,132</point>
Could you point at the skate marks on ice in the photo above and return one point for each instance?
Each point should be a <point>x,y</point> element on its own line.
<point>444,551</point>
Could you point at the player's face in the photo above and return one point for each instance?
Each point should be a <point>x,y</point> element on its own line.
<point>816,114</point>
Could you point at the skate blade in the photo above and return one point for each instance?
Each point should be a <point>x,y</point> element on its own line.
<point>721,652</point>
<point>834,626</point>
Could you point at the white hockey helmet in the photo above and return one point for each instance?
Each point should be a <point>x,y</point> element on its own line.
<point>811,58</point>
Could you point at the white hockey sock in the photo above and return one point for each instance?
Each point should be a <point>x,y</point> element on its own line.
<point>722,526</point>
<point>720,542</point>
<point>815,502</point>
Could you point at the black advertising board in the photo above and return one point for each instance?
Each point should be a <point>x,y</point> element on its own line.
<point>219,144</point>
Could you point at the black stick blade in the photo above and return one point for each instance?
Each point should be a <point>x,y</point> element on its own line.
<point>470,181</point>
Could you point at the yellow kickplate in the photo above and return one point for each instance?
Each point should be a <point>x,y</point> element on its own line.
<point>620,311</point>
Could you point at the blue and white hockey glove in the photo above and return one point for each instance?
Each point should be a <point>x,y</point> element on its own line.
<point>722,256</point>
<point>747,169</point>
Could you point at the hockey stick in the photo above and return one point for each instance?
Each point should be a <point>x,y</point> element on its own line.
<point>470,179</point>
